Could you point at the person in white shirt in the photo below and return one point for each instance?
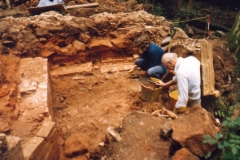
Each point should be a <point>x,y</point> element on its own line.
<point>187,77</point>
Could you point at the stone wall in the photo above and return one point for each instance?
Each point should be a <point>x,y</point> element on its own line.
<point>35,103</point>
<point>43,145</point>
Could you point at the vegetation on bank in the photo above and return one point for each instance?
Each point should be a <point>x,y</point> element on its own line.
<point>228,139</point>
<point>234,38</point>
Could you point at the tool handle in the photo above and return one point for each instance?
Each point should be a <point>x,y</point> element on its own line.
<point>82,6</point>
<point>151,82</point>
<point>172,32</point>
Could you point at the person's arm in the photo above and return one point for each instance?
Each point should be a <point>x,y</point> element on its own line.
<point>182,82</point>
<point>167,84</point>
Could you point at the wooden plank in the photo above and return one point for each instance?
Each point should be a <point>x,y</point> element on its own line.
<point>208,78</point>
<point>82,6</point>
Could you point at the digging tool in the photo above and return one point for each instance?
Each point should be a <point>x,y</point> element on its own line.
<point>169,39</point>
<point>155,83</point>
<point>152,82</point>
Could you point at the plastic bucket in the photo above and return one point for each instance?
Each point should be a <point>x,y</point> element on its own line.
<point>173,99</point>
<point>150,94</point>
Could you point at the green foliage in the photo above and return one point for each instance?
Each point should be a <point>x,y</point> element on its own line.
<point>142,1</point>
<point>238,68</point>
<point>208,155</point>
<point>234,38</point>
<point>158,9</point>
<point>225,108</point>
<point>186,14</point>
<point>228,140</point>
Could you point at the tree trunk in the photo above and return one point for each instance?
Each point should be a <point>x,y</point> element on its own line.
<point>190,4</point>
<point>8,4</point>
<point>179,4</point>
<point>234,37</point>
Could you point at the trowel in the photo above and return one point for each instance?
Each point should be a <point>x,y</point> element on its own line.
<point>155,83</point>
<point>169,38</point>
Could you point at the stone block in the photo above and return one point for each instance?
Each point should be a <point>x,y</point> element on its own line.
<point>47,150</point>
<point>85,68</point>
<point>104,69</point>
<point>166,130</point>
<point>14,150</point>
<point>3,143</point>
<point>46,131</point>
<point>33,146</point>
<point>79,46</point>
<point>33,86</point>
<point>100,44</point>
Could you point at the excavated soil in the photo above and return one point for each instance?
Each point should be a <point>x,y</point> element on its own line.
<point>89,104</point>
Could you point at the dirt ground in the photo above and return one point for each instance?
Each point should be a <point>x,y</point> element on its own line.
<point>88,104</point>
<point>98,100</point>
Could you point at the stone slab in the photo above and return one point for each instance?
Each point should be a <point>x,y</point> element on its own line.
<point>31,146</point>
<point>46,130</point>
<point>14,151</point>
<point>80,69</point>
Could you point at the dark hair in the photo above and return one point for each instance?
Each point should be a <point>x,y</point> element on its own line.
<point>142,42</point>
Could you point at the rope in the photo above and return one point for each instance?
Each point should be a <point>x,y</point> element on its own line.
<point>205,32</point>
<point>207,27</point>
<point>190,20</point>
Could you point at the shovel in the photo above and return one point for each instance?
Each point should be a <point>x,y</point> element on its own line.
<point>169,39</point>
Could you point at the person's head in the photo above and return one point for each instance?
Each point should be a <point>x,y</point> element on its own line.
<point>142,42</point>
<point>169,60</point>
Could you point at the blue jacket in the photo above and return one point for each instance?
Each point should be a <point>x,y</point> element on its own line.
<point>154,56</point>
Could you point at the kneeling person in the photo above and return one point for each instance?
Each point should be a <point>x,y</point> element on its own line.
<point>150,59</point>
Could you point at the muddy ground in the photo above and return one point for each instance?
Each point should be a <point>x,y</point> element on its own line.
<point>88,104</point>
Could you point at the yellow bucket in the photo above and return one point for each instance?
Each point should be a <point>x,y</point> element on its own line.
<point>154,79</point>
<point>173,99</point>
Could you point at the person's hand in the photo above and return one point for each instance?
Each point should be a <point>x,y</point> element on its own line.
<point>160,83</point>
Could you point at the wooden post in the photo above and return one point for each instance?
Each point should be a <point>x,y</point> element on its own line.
<point>8,4</point>
<point>208,78</point>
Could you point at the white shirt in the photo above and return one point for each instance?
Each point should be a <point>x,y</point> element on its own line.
<point>188,80</point>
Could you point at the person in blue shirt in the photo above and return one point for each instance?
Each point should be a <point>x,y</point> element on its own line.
<point>151,57</point>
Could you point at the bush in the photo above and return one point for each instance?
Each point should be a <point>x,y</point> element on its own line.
<point>158,9</point>
<point>228,140</point>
